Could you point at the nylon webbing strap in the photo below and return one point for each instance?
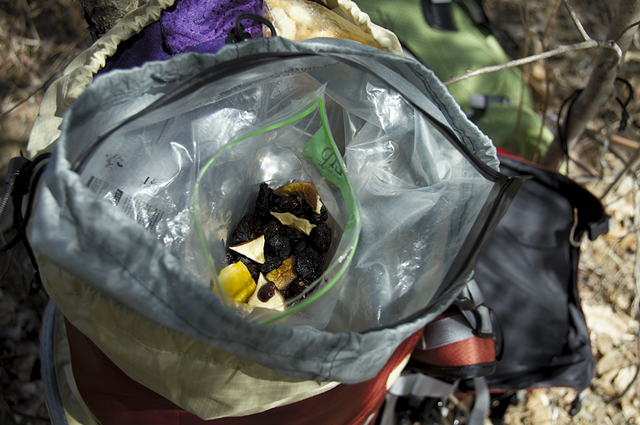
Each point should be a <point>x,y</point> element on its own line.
<point>448,330</point>
<point>481,403</point>
<point>470,296</point>
<point>471,303</point>
<point>420,385</point>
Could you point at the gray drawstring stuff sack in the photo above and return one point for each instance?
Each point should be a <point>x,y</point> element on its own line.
<point>115,206</point>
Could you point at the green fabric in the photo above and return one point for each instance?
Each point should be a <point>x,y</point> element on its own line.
<point>453,53</point>
<point>499,123</point>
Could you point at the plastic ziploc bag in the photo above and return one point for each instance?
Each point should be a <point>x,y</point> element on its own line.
<point>295,145</point>
<point>425,179</point>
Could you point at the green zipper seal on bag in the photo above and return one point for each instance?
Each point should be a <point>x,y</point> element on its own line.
<point>323,153</point>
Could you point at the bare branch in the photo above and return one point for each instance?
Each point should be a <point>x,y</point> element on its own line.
<point>576,21</point>
<point>601,82</point>
<point>630,165</point>
<point>523,78</point>
<point>623,32</point>
<point>588,44</point>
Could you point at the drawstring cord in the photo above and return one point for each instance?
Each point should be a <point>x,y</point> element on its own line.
<point>238,33</point>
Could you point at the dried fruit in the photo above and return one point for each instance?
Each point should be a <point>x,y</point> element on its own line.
<point>321,237</point>
<point>309,264</point>
<point>285,274</point>
<point>271,229</point>
<point>274,302</point>
<point>305,190</point>
<point>267,291</point>
<point>252,266</point>
<point>294,234</point>
<point>248,228</point>
<point>289,204</point>
<point>296,288</point>
<point>279,245</point>
<point>289,219</point>
<point>317,218</point>
<point>299,246</point>
<point>236,282</point>
<point>254,249</point>
<point>264,202</point>
<point>271,262</point>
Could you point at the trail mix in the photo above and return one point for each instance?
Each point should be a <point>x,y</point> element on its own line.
<point>277,251</point>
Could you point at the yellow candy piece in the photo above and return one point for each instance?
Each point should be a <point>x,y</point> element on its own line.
<point>236,282</point>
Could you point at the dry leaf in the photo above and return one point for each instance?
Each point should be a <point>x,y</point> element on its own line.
<point>624,378</point>
<point>601,319</point>
<point>613,360</point>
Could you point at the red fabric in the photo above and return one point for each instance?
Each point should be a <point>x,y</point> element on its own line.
<point>116,399</point>
<point>467,352</point>
<point>508,154</point>
<point>502,152</point>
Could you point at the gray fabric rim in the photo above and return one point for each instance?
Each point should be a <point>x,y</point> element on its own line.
<point>75,230</point>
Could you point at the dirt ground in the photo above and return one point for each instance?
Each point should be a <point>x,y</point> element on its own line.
<point>38,38</point>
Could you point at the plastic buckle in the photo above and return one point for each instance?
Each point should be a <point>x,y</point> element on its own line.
<point>464,303</point>
<point>236,36</point>
<point>600,227</point>
<point>16,165</point>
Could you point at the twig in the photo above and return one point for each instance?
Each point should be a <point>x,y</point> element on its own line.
<point>523,79</point>
<point>547,81</point>
<point>589,44</point>
<point>552,16</point>
<point>583,167</point>
<point>629,166</point>
<point>45,84</point>
<point>624,141</point>
<point>576,21</point>
<point>29,96</point>
<point>601,82</point>
<point>32,25</point>
<point>625,30</point>
<point>591,135</point>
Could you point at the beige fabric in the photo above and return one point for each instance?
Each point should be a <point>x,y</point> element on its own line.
<point>207,382</point>
<point>384,37</point>
<point>79,73</point>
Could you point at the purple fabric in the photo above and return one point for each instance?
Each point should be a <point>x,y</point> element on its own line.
<point>145,46</point>
<point>188,26</point>
<point>189,23</point>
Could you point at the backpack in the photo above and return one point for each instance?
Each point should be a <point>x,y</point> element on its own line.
<point>484,344</point>
<point>124,275</point>
<point>535,334</point>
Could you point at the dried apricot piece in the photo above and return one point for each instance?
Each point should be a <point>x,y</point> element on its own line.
<point>285,274</point>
